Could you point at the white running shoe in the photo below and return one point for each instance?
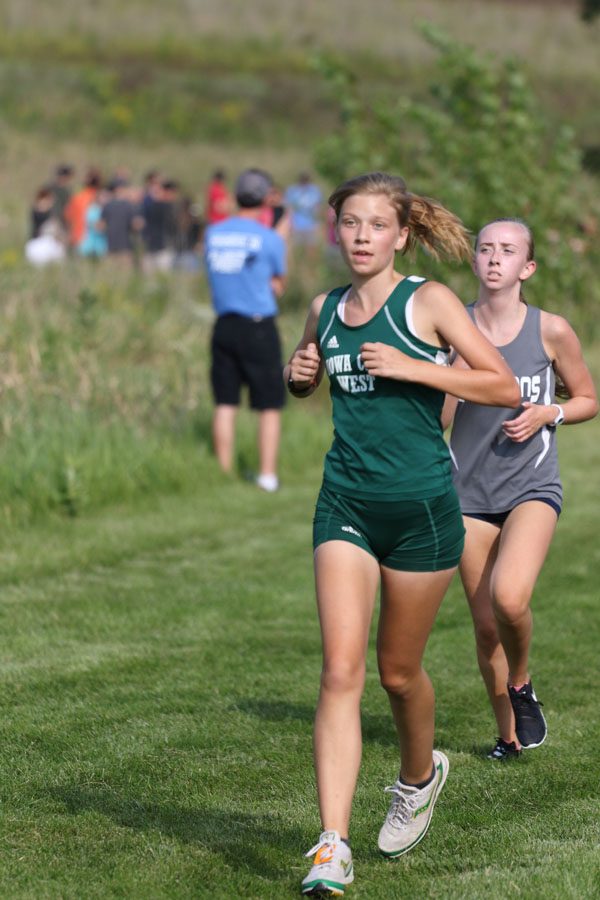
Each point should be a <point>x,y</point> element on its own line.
<point>332,869</point>
<point>268,483</point>
<point>411,810</point>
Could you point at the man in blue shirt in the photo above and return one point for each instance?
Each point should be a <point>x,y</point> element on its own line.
<point>246,267</point>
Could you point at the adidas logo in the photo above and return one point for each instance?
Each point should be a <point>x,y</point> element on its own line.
<point>332,343</point>
<point>351,530</point>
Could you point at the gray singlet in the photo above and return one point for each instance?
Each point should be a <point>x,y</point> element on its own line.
<point>491,473</point>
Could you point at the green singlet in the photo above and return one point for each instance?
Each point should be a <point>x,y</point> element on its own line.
<point>388,442</point>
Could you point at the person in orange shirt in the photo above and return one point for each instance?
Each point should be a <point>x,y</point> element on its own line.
<point>76,208</point>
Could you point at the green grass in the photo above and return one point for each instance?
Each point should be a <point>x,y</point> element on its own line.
<point>161,653</point>
<point>160,669</point>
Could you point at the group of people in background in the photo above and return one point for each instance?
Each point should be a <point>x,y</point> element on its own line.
<point>155,225</point>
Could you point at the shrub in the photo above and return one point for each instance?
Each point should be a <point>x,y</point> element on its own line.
<point>480,142</point>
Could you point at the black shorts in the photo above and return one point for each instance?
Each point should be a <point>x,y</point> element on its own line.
<point>500,518</point>
<point>247,351</point>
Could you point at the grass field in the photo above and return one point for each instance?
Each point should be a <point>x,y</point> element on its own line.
<point>161,654</point>
<point>160,666</point>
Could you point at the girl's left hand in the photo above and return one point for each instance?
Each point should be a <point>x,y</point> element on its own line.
<point>385,361</point>
<point>529,422</point>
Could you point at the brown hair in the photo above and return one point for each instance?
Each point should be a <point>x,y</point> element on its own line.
<point>515,221</point>
<point>429,223</point>
<point>560,388</point>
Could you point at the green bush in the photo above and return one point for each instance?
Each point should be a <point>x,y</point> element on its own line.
<point>481,143</point>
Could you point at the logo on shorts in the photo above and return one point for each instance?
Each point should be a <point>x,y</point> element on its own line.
<point>351,530</point>
<point>332,343</point>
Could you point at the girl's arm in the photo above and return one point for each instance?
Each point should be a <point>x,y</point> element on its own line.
<point>487,379</point>
<point>563,347</point>
<point>569,364</point>
<point>304,371</point>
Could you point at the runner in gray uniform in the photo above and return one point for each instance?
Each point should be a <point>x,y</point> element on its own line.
<point>505,469</point>
<point>493,473</point>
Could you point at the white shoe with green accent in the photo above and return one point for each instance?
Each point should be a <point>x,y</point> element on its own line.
<point>332,870</point>
<point>411,810</point>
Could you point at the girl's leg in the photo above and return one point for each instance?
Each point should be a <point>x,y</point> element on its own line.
<point>476,566</point>
<point>524,542</point>
<point>347,579</point>
<point>409,604</point>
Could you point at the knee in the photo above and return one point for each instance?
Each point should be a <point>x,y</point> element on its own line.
<point>342,676</point>
<point>510,603</point>
<point>510,599</point>
<point>398,680</point>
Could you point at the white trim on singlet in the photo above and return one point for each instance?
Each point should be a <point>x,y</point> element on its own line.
<point>452,456</point>
<point>329,324</point>
<point>440,358</point>
<point>341,307</point>
<point>545,434</point>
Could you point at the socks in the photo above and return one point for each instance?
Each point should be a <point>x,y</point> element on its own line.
<point>421,784</point>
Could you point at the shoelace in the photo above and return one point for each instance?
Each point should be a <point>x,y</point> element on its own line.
<point>528,702</point>
<point>403,805</point>
<point>523,697</point>
<point>318,846</point>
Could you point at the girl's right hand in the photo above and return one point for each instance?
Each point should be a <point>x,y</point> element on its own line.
<point>304,366</point>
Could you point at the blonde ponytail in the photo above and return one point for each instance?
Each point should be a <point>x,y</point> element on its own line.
<point>438,230</point>
<point>430,224</point>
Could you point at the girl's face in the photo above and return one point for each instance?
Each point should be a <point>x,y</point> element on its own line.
<point>369,233</point>
<point>500,260</point>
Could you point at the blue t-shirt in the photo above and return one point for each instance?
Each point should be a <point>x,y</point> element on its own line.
<point>304,201</point>
<point>241,257</point>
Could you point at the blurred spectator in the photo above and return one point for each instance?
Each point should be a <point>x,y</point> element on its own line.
<point>304,199</point>
<point>219,202</point>
<point>41,210</point>
<point>274,213</point>
<point>188,237</point>
<point>281,221</point>
<point>160,227</point>
<point>150,189</point>
<point>94,244</point>
<point>48,247</point>
<point>121,220</point>
<point>76,208</point>
<point>61,190</point>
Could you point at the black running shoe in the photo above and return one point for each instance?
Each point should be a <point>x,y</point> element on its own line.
<point>504,751</point>
<point>530,723</point>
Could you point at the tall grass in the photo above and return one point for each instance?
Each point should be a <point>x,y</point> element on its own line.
<point>104,391</point>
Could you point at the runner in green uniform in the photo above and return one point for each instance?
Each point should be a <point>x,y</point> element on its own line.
<point>387,513</point>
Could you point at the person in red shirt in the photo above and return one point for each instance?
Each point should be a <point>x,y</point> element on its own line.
<point>219,202</point>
